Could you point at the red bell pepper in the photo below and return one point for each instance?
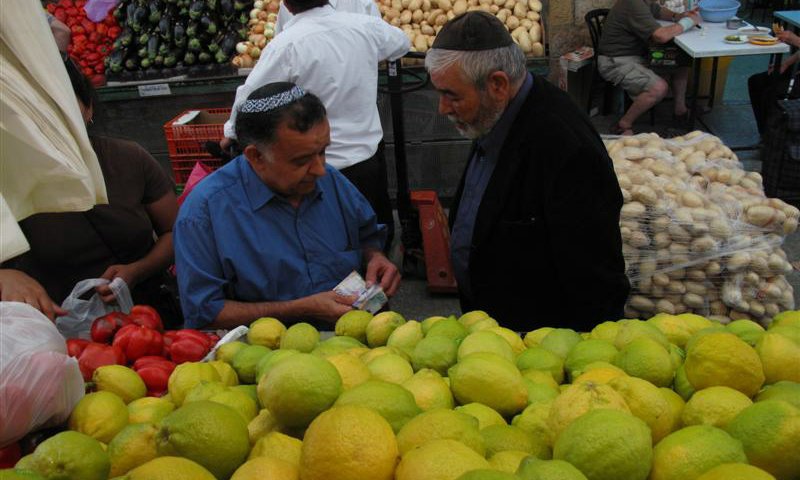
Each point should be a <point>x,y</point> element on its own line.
<point>188,349</point>
<point>75,346</point>
<point>104,328</point>
<point>137,341</point>
<point>10,455</point>
<point>149,360</point>
<point>147,316</point>
<point>156,377</point>
<point>96,355</point>
<point>196,334</point>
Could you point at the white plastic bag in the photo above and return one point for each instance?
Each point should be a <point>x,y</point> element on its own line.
<point>78,322</point>
<point>39,383</point>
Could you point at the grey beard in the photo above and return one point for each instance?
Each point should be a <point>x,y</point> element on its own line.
<point>488,115</point>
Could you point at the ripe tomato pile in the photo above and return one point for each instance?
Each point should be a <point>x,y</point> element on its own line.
<point>91,42</point>
<point>138,339</point>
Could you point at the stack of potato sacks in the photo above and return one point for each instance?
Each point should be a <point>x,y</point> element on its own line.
<point>699,235</point>
<point>421,20</point>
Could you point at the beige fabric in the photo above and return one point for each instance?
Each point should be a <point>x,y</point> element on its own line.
<point>46,161</point>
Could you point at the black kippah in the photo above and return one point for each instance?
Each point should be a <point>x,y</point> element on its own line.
<point>477,30</point>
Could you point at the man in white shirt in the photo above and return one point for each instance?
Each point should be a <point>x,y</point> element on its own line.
<point>335,56</point>
<point>364,7</point>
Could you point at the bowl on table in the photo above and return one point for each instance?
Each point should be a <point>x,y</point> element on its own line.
<point>717,11</point>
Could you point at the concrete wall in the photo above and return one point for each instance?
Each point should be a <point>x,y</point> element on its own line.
<point>566,27</point>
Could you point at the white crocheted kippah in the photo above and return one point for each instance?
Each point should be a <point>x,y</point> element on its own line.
<point>272,102</point>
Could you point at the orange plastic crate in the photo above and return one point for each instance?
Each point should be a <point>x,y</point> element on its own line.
<point>187,140</point>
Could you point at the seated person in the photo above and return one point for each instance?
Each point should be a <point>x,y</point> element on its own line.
<point>108,241</point>
<point>273,231</point>
<point>766,88</point>
<point>628,29</point>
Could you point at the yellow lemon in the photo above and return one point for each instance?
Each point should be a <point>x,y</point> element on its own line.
<point>508,460</point>
<point>101,415</point>
<point>267,332</point>
<point>647,403</point>
<point>692,451</point>
<point>391,401</point>
<point>645,358</point>
<point>534,337</point>
<point>714,406</point>
<point>722,358</point>
<point>302,337</point>
<point>485,341</point>
<point>261,425</point>
<point>354,324</point>
<point>783,390</point>
<point>491,380</point>
<point>390,368</point>
<point>440,423</point>
<point>539,358</point>
<point>510,336</point>
<point>780,356</point>
<point>560,341</point>
<point>266,468</point>
<point>351,369</point>
<point>120,380</point>
<point>133,446</point>
<point>69,455</point>
<point>534,421</point>
<point>770,433</point>
<point>169,468</point>
<point>483,414</point>
<point>436,353</point>
<point>587,352</point>
<point>471,318</point>
<point>498,438</point>
<point>226,373</point>
<point>579,399</point>
<point>349,442</point>
<point>381,326</point>
<point>278,445</point>
<point>149,410</point>
<point>442,459</point>
<point>606,445</point>
<point>186,376</point>
<point>406,336</point>
<point>599,372</point>
<point>533,468</point>
<point>430,390</point>
<point>227,351</point>
<point>735,471</point>
<point>676,406</point>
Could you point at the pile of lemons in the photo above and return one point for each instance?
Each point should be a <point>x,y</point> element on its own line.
<point>670,398</point>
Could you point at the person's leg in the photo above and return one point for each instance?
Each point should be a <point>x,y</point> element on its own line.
<point>757,86</point>
<point>680,79</point>
<point>370,178</point>
<point>644,101</point>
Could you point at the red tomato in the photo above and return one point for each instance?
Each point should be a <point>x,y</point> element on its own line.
<point>75,346</point>
<point>96,355</point>
<point>137,341</point>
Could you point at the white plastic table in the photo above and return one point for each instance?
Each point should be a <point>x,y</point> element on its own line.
<point>708,42</point>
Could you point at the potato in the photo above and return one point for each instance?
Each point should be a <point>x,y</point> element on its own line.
<point>421,41</point>
<point>427,30</point>
<point>426,6</point>
<point>526,23</point>
<point>459,7</point>
<point>512,23</point>
<point>414,5</point>
<point>392,14</point>
<point>450,15</point>
<point>633,210</point>
<point>445,5</point>
<point>417,16</point>
<point>537,50</point>
<point>405,4</point>
<point>440,20</point>
<point>642,303</point>
<point>520,10</point>
<point>433,15</point>
<point>405,17</point>
<point>533,16</point>
<point>535,5</point>
<point>524,42</point>
<point>693,301</point>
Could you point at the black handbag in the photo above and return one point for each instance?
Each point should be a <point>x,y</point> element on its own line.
<point>780,153</point>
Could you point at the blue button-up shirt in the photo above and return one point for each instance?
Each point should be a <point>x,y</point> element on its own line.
<point>486,151</point>
<point>236,239</point>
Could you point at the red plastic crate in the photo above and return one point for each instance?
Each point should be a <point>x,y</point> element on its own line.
<point>187,140</point>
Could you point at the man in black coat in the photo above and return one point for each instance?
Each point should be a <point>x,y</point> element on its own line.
<point>535,226</point>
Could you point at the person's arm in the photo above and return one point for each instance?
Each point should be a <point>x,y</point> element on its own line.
<point>327,306</point>
<point>162,214</point>
<point>665,34</point>
<point>392,42</point>
<point>17,286</point>
<point>382,271</point>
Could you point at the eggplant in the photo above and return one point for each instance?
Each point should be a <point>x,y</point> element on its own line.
<point>226,6</point>
<point>197,9</point>
<point>132,63</point>
<point>240,5</point>
<point>120,13</point>
<point>145,63</point>
<point>221,57</point>
<point>212,5</point>
<point>163,49</point>
<point>209,26</point>
<point>194,45</point>
<point>152,47</point>
<point>213,44</point>
<point>158,61</point>
<point>129,11</point>
<point>165,28</point>
<point>171,59</point>
<point>189,58</point>
<point>228,44</point>
<point>137,21</point>
<point>143,38</point>
<point>179,35</point>
<point>155,7</point>
<point>114,62</point>
<point>204,57</point>
<point>142,52</point>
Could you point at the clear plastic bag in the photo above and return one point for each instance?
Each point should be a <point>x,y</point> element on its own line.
<point>39,383</point>
<point>96,10</point>
<point>82,313</point>
<point>699,235</point>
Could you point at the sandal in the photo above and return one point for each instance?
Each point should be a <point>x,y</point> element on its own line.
<point>617,129</point>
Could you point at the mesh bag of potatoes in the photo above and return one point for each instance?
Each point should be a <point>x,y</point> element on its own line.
<point>421,20</point>
<point>699,235</point>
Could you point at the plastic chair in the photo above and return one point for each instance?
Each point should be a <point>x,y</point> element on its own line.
<point>594,20</point>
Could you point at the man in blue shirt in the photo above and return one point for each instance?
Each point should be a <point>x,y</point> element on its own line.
<point>272,232</point>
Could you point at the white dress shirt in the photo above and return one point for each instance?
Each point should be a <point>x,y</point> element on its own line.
<point>364,7</point>
<point>333,55</point>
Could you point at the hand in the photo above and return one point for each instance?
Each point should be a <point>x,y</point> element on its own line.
<point>225,143</point>
<point>16,286</point>
<point>694,14</point>
<point>128,273</point>
<point>789,37</point>
<point>329,306</point>
<point>380,269</point>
